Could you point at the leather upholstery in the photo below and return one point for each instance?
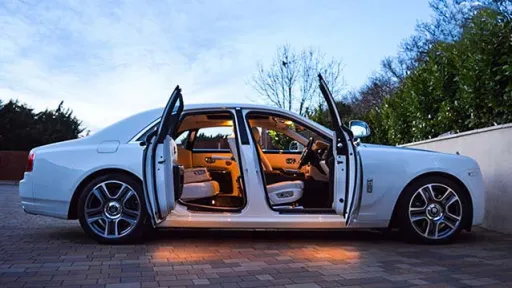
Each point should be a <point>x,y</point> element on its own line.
<point>199,190</point>
<point>285,192</point>
<point>264,161</point>
<point>198,184</point>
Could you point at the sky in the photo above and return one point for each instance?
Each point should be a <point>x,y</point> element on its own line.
<point>109,59</point>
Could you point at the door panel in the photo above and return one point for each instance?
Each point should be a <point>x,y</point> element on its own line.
<point>185,157</point>
<point>201,159</point>
<point>346,172</point>
<point>283,160</point>
<point>204,159</point>
<point>159,161</point>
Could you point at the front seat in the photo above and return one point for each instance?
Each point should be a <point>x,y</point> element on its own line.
<point>281,193</point>
<point>198,184</point>
<point>285,192</point>
<point>264,161</point>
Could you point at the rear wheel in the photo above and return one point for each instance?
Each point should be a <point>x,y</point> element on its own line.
<point>111,209</point>
<point>433,210</point>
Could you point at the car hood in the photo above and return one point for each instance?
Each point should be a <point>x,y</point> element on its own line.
<point>396,148</point>
<point>405,154</point>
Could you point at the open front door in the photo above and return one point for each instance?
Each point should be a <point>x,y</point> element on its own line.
<point>347,167</point>
<point>163,178</point>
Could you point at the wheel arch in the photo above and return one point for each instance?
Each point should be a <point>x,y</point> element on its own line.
<point>467,226</point>
<point>73,205</point>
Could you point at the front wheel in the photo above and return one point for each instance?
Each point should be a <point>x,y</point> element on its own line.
<point>111,209</point>
<point>433,210</point>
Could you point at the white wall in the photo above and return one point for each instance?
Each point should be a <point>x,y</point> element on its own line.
<point>492,149</point>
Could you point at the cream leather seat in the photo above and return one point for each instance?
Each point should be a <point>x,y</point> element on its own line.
<point>198,184</point>
<point>285,192</point>
<point>264,161</point>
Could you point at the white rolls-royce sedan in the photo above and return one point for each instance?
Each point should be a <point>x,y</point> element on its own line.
<point>248,167</point>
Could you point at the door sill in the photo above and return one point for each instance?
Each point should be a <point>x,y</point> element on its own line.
<point>216,203</point>
<point>327,211</point>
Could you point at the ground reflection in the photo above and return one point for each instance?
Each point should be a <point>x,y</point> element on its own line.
<point>262,246</point>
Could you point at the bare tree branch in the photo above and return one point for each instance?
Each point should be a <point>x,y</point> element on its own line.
<point>290,82</point>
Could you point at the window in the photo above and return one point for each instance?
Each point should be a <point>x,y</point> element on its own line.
<point>284,136</point>
<point>213,138</point>
<point>182,139</point>
<point>151,129</point>
<point>274,140</point>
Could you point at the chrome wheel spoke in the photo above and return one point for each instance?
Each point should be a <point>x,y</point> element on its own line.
<point>448,223</point>
<point>418,217</point>
<point>450,217</point>
<point>126,195</point>
<point>427,193</point>
<point>121,194</point>
<point>101,194</point>
<point>130,218</point>
<point>435,228</point>
<point>449,198</point>
<point>111,228</point>
<point>94,214</point>
<point>417,213</point>
<point>432,229</point>
<point>105,190</point>
<point>428,228</point>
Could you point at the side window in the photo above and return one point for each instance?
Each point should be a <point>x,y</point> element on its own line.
<point>288,136</point>
<point>274,140</point>
<point>151,129</point>
<point>212,138</point>
<point>182,139</point>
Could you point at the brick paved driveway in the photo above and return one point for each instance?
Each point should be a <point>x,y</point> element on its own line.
<point>39,251</point>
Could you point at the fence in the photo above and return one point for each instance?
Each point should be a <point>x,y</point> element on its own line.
<point>12,165</point>
<point>492,149</point>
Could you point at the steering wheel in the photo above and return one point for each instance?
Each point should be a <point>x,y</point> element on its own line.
<point>306,153</point>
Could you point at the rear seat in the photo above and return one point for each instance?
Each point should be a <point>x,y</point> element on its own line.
<point>198,184</point>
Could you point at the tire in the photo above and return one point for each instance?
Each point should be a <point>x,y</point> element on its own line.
<point>116,199</point>
<point>435,220</point>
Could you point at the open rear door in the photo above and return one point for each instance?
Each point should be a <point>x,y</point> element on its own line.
<point>163,178</point>
<point>347,172</point>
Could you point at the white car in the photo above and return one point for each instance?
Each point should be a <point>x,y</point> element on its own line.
<point>231,166</point>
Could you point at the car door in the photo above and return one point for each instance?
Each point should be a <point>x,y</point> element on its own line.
<point>347,174</point>
<point>161,175</point>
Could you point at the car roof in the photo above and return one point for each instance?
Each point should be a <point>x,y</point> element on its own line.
<point>127,128</point>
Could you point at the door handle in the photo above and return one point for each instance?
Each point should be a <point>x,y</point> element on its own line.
<point>209,160</point>
<point>291,161</point>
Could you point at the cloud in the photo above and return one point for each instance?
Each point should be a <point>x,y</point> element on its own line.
<point>110,59</point>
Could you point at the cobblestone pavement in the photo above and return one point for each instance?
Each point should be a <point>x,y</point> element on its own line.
<point>40,251</point>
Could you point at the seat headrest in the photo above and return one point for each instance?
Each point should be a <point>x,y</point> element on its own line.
<point>256,134</point>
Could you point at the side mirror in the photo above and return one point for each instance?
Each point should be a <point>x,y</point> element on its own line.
<point>359,128</point>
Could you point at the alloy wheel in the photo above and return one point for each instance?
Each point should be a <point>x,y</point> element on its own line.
<point>435,211</point>
<point>112,209</point>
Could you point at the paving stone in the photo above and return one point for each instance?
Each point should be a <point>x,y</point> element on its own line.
<point>39,251</point>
